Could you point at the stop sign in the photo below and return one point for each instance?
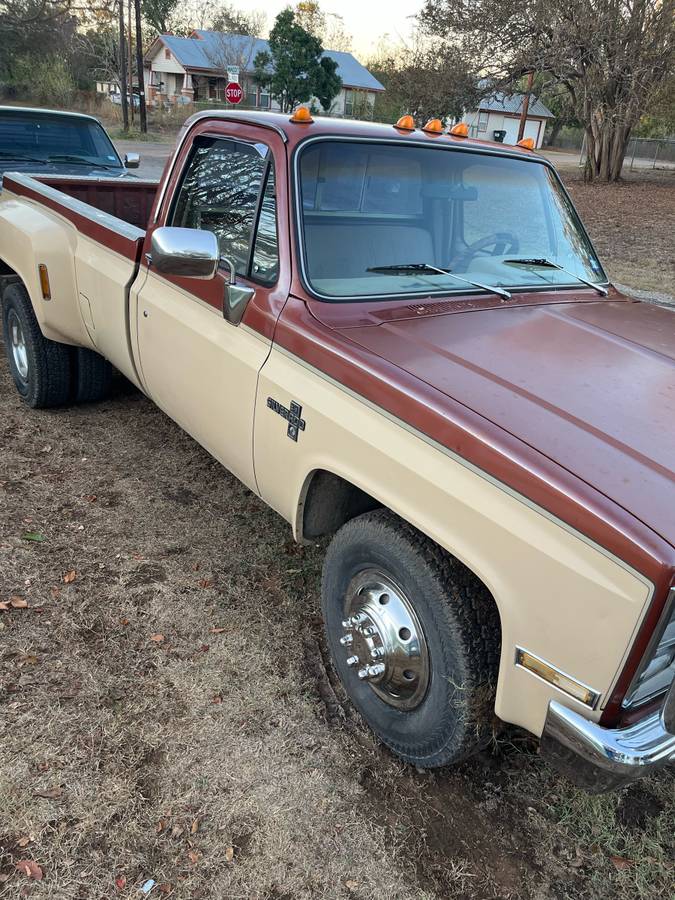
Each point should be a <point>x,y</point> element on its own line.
<point>234,93</point>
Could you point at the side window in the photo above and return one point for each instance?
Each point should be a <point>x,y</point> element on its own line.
<point>265,267</point>
<point>220,192</point>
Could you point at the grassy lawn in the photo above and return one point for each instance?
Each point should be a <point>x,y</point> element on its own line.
<point>167,710</point>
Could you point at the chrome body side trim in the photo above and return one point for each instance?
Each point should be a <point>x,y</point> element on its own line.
<point>601,759</point>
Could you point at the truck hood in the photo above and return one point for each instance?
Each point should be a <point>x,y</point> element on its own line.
<point>591,385</point>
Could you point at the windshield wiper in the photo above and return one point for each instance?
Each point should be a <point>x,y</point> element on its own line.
<point>420,268</point>
<point>6,154</point>
<point>66,157</point>
<point>549,264</point>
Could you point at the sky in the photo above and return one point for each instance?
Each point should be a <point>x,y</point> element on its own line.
<point>366,20</point>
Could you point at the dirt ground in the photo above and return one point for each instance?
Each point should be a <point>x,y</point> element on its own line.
<point>632,225</point>
<point>167,712</point>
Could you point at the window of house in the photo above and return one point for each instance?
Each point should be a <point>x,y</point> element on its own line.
<point>251,96</point>
<point>483,121</point>
<point>264,98</point>
<point>349,103</point>
<point>167,54</point>
<point>221,192</point>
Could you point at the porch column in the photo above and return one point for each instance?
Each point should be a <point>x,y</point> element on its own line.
<point>188,88</point>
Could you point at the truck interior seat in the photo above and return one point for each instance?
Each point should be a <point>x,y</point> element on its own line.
<point>346,251</point>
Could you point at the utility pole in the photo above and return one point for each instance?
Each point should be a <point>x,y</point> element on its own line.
<point>139,66</point>
<point>526,106</point>
<point>131,67</point>
<point>123,68</point>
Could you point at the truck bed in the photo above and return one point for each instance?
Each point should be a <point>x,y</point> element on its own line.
<point>129,199</point>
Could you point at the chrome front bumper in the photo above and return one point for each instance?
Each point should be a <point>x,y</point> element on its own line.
<point>600,759</point>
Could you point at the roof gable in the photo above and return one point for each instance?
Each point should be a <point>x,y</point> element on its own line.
<point>213,49</point>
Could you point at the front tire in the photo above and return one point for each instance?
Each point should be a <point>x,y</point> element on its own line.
<point>93,378</point>
<point>414,637</point>
<point>41,369</point>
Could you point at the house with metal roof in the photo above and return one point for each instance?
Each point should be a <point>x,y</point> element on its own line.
<point>195,69</point>
<point>498,117</point>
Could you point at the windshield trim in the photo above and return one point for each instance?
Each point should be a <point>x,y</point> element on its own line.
<point>444,292</point>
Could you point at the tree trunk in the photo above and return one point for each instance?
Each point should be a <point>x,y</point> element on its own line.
<point>606,144</point>
<point>139,66</point>
<point>123,67</point>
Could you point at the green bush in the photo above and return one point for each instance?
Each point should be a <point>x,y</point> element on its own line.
<point>44,80</point>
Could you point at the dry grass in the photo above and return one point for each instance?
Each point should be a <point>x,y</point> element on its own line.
<point>631,224</point>
<point>231,721</point>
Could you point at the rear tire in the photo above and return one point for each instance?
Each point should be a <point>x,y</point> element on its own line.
<point>423,629</point>
<point>93,376</point>
<point>41,369</point>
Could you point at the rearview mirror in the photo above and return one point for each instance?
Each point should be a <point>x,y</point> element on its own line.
<point>132,160</point>
<point>188,252</point>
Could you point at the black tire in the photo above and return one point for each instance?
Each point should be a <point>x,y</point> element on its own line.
<point>93,376</point>
<point>47,374</point>
<point>460,623</point>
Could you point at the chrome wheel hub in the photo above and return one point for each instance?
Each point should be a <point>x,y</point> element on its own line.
<point>384,641</point>
<point>18,345</point>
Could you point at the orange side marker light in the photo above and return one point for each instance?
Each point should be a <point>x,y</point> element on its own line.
<point>302,116</point>
<point>526,144</point>
<point>461,129</point>
<point>433,126</point>
<point>44,282</point>
<point>405,123</point>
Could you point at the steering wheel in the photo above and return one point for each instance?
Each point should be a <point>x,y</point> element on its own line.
<point>501,243</point>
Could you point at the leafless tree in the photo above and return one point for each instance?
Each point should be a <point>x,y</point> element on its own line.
<point>612,56</point>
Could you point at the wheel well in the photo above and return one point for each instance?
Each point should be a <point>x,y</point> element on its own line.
<point>328,502</point>
<point>7,276</point>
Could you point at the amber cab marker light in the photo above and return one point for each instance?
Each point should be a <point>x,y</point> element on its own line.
<point>526,144</point>
<point>302,116</point>
<point>44,282</point>
<point>433,126</point>
<point>405,123</point>
<point>461,129</point>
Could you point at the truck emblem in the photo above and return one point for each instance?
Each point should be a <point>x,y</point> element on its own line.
<point>293,416</point>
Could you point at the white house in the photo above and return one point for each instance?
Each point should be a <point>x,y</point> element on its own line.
<point>501,112</point>
<point>186,69</point>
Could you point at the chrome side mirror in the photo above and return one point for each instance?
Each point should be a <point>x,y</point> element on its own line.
<point>188,252</point>
<point>237,296</point>
<point>132,160</point>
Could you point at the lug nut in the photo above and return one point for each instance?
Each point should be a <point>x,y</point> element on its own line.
<point>376,653</point>
<point>374,671</point>
<point>346,624</point>
<point>352,661</point>
<point>369,631</point>
<point>347,640</point>
<point>364,673</point>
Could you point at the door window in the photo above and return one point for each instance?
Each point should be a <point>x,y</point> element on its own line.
<point>226,187</point>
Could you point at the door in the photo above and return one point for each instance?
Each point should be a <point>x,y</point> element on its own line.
<point>196,366</point>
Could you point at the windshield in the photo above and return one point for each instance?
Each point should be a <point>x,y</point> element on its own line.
<point>40,136</point>
<point>367,206</point>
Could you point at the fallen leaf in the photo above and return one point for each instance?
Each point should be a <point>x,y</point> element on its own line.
<point>50,793</point>
<point>124,621</point>
<point>4,606</point>
<point>620,863</point>
<point>193,856</point>
<point>23,842</point>
<point>216,698</point>
<point>29,868</point>
<point>55,591</point>
<point>229,855</point>
<point>157,638</point>
<point>164,888</point>
<point>205,582</point>
<point>35,536</point>
<point>18,602</point>
<point>69,577</point>
<point>160,826</point>
<point>3,877</point>
<point>351,885</point>
<point>120,882</point>
<point>215,630</point>
<point>194,828</point>
<point>177,830</point>
<point>91,498</point>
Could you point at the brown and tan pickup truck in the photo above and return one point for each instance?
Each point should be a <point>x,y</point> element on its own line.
<point>402,338</point>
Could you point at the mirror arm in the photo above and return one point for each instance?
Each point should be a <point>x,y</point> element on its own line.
<point>231,267</point>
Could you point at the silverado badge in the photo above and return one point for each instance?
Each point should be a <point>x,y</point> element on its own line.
<point>293,416</point>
